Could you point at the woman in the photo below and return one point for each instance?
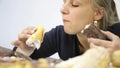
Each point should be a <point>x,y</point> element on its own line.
<point>66,40</point>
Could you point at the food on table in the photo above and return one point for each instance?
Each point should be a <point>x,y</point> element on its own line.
<point>116,58</point>
<point>16,62</point>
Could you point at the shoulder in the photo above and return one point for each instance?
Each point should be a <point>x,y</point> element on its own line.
<point>115,29</point>
<point>56,33</point>
<point>59,28</point>
<point>56,30</point>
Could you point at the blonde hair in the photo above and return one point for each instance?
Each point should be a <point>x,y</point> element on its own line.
<point>110,16</point>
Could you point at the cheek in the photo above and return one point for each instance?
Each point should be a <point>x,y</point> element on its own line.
<point>80,20</point>
<point>83,18</point>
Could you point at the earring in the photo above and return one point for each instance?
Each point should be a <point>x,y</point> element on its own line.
<point>95,23</point>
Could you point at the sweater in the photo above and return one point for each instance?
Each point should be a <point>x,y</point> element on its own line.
<point>67,46</point>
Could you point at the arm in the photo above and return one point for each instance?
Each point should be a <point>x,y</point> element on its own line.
<point>48,47</point>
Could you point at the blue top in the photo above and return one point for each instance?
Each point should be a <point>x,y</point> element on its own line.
<point>56,40</point>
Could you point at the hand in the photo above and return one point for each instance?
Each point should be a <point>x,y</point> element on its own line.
<point>113,44</point>
<point>23,36</point>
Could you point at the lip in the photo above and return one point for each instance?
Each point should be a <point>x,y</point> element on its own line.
<point>65,20</point>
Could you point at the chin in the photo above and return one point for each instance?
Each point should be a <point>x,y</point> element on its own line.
<point>69,31</point>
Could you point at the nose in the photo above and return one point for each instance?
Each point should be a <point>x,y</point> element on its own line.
<point>64,9</point>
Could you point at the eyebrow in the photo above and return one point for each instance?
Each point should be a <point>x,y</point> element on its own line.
<point>77,0</point>
<point>81,1</point>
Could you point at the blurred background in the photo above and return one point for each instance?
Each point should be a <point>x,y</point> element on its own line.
<point>15,15</point>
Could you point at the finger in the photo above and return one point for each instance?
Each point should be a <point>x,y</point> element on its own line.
<point>100,42</point>
<point>23,37</point>
<point>18,43</point>
<point>29,30</point>
<point>110,35</point>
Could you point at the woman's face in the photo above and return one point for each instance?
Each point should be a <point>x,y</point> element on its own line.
<point>76,14</point>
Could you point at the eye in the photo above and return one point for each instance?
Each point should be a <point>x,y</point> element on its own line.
<point>75,5</point>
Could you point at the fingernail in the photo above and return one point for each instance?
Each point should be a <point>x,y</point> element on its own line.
<point>34,29</point>
<point>28,36</point>
<point>102,31</point>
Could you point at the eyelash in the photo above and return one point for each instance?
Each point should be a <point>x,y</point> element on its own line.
<point>72,4</point>
<point>75,5</point>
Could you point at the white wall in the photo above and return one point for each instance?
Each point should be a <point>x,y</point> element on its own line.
<point>118,6</point>
<point>17,14</point>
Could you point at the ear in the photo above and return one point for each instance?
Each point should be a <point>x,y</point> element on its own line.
<point>99,13</point>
